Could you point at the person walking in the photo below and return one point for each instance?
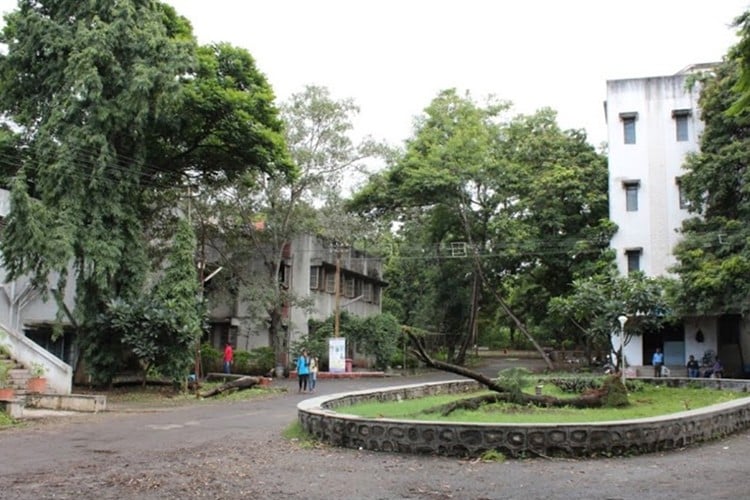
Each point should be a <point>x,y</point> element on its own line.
<point>658,361</point>
<point>228,357</point>
<point>313,373</point>
<point>303,370</point>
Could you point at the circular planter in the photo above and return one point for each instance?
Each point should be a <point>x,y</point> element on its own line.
<point>325,418</point>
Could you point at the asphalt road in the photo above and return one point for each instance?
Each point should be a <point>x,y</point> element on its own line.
<point>235,450</point>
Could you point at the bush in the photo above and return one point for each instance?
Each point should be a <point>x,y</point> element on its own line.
<point>262,360</point>
<point>241,363</point>
<point>211,359</point>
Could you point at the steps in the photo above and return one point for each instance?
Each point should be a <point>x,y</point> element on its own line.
<point>18,375</point>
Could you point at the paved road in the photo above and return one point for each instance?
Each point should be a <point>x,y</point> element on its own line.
<point>235,450</point>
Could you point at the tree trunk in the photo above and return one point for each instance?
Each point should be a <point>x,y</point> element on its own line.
<point>592,399</point>
<point>239,384</point>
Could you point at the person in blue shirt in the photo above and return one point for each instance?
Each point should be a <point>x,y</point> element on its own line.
<point>658,361</point>
<point>303,370</point>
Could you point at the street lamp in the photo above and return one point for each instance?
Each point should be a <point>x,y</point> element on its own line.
<point>622,319</point>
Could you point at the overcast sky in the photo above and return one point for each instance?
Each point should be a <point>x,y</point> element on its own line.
<point>393,56</point>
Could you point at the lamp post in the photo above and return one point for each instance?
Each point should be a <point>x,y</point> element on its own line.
<point>622,319</point>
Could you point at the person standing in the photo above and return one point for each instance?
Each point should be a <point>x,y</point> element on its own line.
<point>693,368</point>
<point>303,370</point>
<point>313,373</point>
<point>658,361</point>
<point>228,357</point>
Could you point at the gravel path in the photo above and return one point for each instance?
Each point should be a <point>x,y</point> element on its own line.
<point>235,450</point>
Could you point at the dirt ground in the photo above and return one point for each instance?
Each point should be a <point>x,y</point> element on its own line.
<point>235,450</point>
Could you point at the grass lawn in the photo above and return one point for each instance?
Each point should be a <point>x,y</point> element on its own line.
<point>648,401</point>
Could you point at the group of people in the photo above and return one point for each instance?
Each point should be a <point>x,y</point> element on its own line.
<point>693,367</point>
<point>307,371</point>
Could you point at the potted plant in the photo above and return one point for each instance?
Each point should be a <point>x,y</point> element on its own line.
<point>7,393</point>
<point>37,382</point>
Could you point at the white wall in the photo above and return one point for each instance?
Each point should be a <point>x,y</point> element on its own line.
<point>655,160</point>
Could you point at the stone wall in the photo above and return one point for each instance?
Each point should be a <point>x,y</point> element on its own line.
<point>319,418</point>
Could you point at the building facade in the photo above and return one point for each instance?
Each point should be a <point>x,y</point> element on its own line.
<point>653,123</point>
<point>309,272</point>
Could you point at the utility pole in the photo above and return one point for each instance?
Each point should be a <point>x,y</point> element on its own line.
<point>337,292</point>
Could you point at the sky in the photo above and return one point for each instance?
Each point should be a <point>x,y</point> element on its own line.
<point>392,57</point>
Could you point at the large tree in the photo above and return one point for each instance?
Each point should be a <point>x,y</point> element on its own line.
<point>504,211</point>
<point>714,254</point>
<point>118,112</point>
<point>259,215</point>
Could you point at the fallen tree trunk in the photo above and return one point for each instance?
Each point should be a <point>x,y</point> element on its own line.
<point>592,399</point>
<point>239,384</point>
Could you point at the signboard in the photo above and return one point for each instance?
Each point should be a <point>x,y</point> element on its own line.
<point>337,355</point>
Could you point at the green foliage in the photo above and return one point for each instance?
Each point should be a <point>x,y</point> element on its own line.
<point>714,253</point>
<point>594,303</point>
<point>529,199</point>
<point>4,375</point>
<point>211,358</point>
<point>257,361</point>
<point>117,112</point>
<point>37,370</point>
<point>492,456</point>
<point>262,360</point>
<point>377,336</point>
<point>514,380</point>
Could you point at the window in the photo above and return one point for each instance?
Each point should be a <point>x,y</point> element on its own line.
<point>314,277</point>
<point>631,195</point>
<point>331,281</point>
<point>349,291</point>
<point>681,124</point>
<point>367,292</point>
<point>634,259</point>
<point>628,127</point>
<point>285,272</point>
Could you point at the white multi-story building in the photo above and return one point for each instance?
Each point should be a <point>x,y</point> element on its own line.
<point>653,123</point>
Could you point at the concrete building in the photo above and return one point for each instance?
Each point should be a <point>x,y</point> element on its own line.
<point>309,272</point>
<point>653,123</point>
<point>26,320</point>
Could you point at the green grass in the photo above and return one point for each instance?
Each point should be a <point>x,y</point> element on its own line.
<point>649,402</point>
<point>295,433</point>
<point>5,420</point>
<point>155,395</point>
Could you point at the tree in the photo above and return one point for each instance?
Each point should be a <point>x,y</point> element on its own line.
<point>514,207</point>
<point>595,302</point>
<point>118,109</point>
<point>714,254</point>
<point>260,215</point>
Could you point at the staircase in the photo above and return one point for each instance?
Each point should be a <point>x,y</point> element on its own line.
<point>17,374</point>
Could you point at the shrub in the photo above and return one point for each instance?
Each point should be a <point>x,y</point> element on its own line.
<point>262,360</point>
<point>241,362</point>
<point>211,358</point>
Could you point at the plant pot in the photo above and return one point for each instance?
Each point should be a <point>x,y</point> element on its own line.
<point>7,394</point>
<point>36,384</point>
